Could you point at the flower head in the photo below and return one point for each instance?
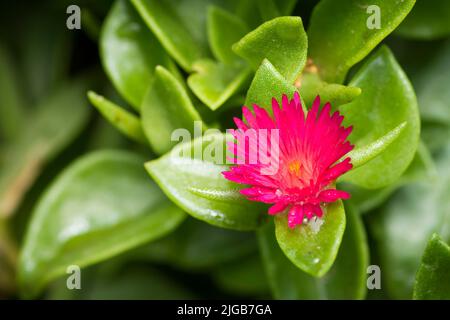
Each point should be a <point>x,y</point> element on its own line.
<point>308,153</point>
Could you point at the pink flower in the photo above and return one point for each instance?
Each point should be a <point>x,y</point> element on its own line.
<point>307,153</point>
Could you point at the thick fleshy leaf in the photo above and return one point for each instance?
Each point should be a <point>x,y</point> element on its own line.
<point>123,120</point>
<point>403,226</point>
<point>243,277</point>
<point>196,245</point>
<point>379,109</point>
<point>282,41</point>
<point>166,107</point>
<point>433,277</point>
<point>339,33</point>
<point>422,167</point>
<point>431,86</point>
<point>214,83</point>
<point>268,83</point>
<point>224,29</point>
<point>179,26</point>
<point>313,247</point>
<point>428,20</point>
<point>130,52</point>
<point>100,206</point>
<point>345,280</point>
<point>363,154</point>
<point>48,132</point>
<point>191,176</point>
<point>310,86</point>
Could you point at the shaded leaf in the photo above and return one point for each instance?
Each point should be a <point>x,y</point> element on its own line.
<point>433,279</point>
<point>428,20</point>
<point>166,107</point>
<point>403,226</point>
<point>214,83</point>
<point>129,52</point>
<point>100,206</point>
<point>224,29</point>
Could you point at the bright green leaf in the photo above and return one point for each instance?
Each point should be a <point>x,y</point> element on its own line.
<point>191,176</point>
<point>363,154</point>
<point>100,206</point>
<point>422,167</point>
<point>166,107</point>
<point>433,277</point>
<point>387,100</point>
<point>339,35</point>
<point>282,41</point>
<point>123,120</point>
<point>345,280</point>
<point>179,26</point>
<point>428,20</point>
<point>268,83</point>
<point>129,52</point>
<point>313,247</point>
<point>214,83</point>
<point>311,86</point>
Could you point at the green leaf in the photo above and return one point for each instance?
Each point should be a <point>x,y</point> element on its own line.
<point>270,9</point>
<point>282,41</point>
<point>115,279</point>
<point>48,132</point>
<point>187,249</point>
<point>310,86</point>
<point>214,83</point>
<point>45,52</point>
<point>363,154</point>
<point>224,29</point>
<point>404,225</point>
<point>243,277</point>
<point>129,52</point>
<point>100,206</point>
<point>345,280</point>
<point>313,247</point>
<point>422,167</point>
<point>166,107</point>
<point>179,26</point>
<point>431,85</point>
<point>433,279</point>
<point>124,121</point>
<point>387,101</point>
<point>428,20</point>
<point>339,35</point>
<point>191,176</point>
<point>268,83</point>
<point>11,100</point>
